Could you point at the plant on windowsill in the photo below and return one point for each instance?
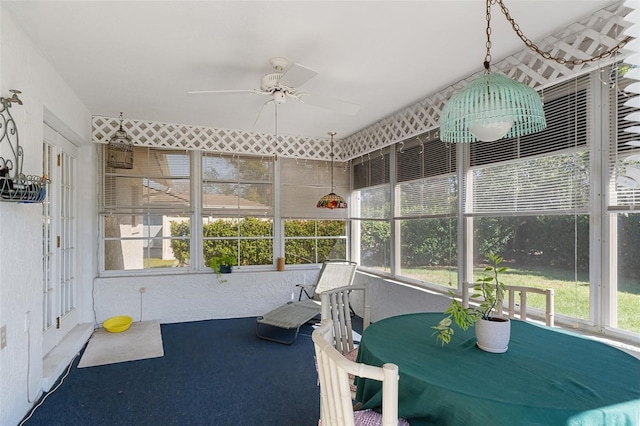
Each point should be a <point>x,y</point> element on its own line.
<point>222,264</point>
<point>491,291</point>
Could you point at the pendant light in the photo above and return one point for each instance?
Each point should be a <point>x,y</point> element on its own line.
<point>332,200</point>
<point>494,106</point>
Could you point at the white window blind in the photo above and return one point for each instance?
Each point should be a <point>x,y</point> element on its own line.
<point>371,175</point>
<point>371,170</point>
<point>543,172</point>
<point>426,175</point>
<point>373,203</point>
<point>304,182</point>
<point>238,185</point>
<point>556,183</point>
<point>623,158</point>
<point>159,180</point>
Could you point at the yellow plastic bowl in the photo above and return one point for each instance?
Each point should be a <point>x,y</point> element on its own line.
<point>117,324</point>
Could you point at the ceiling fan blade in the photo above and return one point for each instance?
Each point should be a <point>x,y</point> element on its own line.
<point>296,75</point>
<point>337,105</point>
<point>260,112</point>
<point>209,92</point>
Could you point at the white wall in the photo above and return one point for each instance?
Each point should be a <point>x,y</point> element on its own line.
<point>25,69</point>
<point>179,298</point>
<point>388,298</point>
<point>193,297</point>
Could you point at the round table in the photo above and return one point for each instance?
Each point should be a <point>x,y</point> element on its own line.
<point>547,376</point>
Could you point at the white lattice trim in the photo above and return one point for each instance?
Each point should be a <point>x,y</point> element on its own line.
<point>180,136</point>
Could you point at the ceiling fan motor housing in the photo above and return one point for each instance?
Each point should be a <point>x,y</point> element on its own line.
<point>270,81</point>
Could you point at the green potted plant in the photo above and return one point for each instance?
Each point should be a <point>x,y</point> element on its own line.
<point>490,290</point>
<point>222,264</point>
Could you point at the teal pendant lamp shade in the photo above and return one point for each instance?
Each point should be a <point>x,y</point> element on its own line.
<point>489,108</point>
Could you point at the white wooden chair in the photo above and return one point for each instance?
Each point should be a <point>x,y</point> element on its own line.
<point>336,405</point>
<point>336,307</point>
<point>511,301</point>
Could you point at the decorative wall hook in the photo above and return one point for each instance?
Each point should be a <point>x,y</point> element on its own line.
<point>6,102</point>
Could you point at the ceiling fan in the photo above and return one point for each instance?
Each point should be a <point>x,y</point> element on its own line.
<point>283,83</point>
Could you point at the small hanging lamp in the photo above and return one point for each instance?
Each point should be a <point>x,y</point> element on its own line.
<point>491,106</point>
<point>332,200</point>
<point>120,149</point>
<point>494,106</point>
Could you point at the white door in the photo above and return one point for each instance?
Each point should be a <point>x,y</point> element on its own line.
<point>59,292</point>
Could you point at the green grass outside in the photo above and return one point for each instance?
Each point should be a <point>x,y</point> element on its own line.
<point>158,263</point>
<point>571,298</point>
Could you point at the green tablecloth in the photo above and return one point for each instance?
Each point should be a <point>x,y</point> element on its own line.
<point>547,377</point>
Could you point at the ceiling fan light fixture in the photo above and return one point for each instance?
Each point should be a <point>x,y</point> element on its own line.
<point>332,200</point>
<point>279,97</point>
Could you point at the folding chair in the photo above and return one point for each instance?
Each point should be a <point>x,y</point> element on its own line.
<point>292,315</point>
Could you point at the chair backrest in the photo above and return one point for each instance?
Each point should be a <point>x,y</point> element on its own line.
<point>511,301</point>
<point>334,274</point>
<point>336,405</point>
<point>336,307</point>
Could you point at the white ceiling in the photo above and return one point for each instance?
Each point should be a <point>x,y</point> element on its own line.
<point>141,57</point>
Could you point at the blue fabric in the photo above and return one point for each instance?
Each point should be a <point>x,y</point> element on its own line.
<point>547,376</point>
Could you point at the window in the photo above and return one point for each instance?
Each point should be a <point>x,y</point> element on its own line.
<point>237,208</point>
<point>142,206</point>
<point>623,293</point>
<point>426,209</point>
<point>314,241</point>
<point>147,212</point>
<point>529,201</point>
<point>311,234</point>
<point>372,211</point>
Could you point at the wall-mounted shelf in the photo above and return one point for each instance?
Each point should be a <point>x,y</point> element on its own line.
<point>14,185</point>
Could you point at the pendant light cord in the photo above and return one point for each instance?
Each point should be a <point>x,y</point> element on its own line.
<point>332,134</point>
<point>275,104</point>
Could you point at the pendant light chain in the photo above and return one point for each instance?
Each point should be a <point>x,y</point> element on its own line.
<point>487,57</point>
<point>541,52</point>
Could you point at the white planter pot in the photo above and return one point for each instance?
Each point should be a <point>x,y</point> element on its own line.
<point>493,335</point>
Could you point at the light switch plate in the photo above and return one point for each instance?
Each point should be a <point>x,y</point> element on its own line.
<point>3,337</point>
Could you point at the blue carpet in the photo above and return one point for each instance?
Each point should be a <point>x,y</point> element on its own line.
<point>213,372</point>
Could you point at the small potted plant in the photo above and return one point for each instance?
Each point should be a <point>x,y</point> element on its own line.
<point>222,264</point>
<point>491,291</point>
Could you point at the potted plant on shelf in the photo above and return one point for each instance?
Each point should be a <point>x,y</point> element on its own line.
<point>222,264</point>
<point>492,332</point>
